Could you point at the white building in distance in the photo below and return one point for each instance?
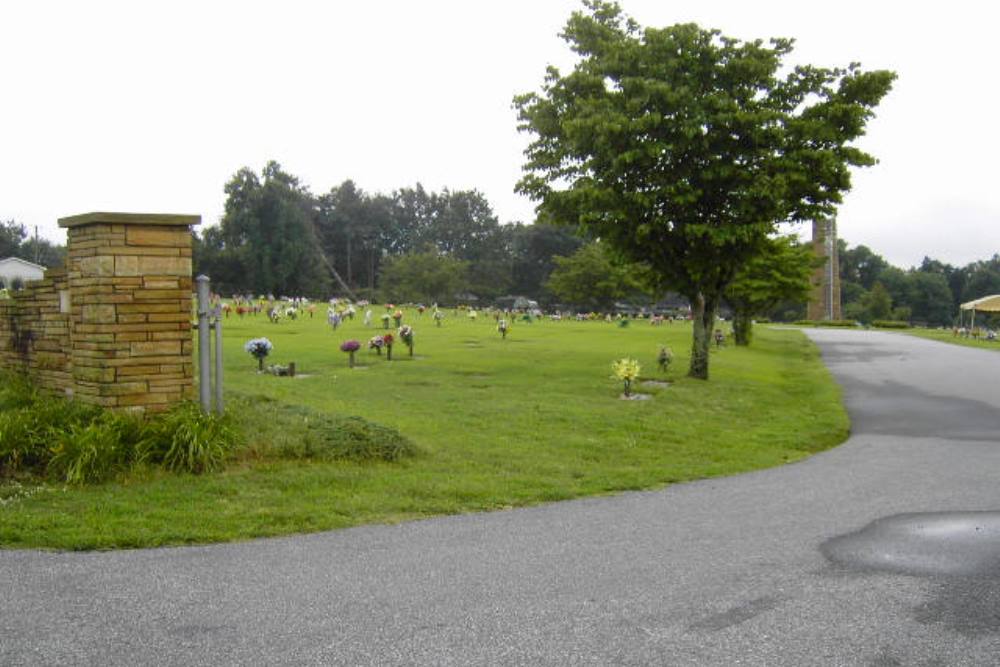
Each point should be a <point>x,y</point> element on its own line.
<point>16,269</point>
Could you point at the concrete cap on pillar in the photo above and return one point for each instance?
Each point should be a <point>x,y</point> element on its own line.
<point>106,218</point>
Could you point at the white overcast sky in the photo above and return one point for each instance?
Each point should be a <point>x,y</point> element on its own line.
<point>152,106</point>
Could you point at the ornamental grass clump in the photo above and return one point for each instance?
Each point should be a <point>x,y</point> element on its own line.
<point>350,347</point>
<point>626,370</point>
<point>259,348</point>
<point>406,335</point>
<point>663,358</point>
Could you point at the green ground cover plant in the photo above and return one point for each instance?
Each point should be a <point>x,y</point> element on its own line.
<point>472,422</point>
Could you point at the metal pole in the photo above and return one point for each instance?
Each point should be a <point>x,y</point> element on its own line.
<point>219,405</point>
<point>204,362</point>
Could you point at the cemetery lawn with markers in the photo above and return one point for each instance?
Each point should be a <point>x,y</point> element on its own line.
<point>496,423</point>
<point>946,336</point>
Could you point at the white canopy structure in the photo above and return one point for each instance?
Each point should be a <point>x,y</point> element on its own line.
<point>985,304</point>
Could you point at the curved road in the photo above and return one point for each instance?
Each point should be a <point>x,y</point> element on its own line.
<point>779,567</point>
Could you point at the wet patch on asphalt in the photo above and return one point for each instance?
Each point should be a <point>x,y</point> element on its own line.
<point>958,551</point>
<point>930,543</point>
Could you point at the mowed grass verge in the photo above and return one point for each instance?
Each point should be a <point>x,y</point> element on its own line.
<point>946,336</point>
<point>498,424</point>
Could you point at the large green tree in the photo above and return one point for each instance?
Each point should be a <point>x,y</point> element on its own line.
<point>591,279</point>
<point>781,272</point>
<point>684,149</point>
<point>268,236</point>
<point>428,277</point>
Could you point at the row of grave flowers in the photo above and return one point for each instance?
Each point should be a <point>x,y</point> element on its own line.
<point>378,343</point>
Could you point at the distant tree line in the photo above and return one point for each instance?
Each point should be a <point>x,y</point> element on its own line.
<point>16,242</point>
<point>276,237</point>
<point>929,294</point>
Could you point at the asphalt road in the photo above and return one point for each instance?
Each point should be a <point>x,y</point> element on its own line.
<point>848,558</point>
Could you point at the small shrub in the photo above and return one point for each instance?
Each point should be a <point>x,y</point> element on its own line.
<point>828,323</point>
<point>284,431</point>
<point>95,451</point>
<point>189,440</point>
<point>31,431</point>
<point>890,324</point>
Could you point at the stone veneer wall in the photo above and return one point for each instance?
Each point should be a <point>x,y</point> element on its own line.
<point>114,329</point>
<point>35,335</point>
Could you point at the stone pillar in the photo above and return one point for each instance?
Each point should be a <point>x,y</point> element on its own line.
<point>130,308</point>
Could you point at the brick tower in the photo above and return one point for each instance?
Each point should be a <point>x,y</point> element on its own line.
<point>824,302</point>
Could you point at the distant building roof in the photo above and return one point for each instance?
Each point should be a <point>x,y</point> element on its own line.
<point>10,261</point>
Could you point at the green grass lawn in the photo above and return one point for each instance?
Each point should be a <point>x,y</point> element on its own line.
<point>946,336</point>
<point>498,423</point>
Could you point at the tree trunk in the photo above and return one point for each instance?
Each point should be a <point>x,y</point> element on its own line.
<point>350,274</point>
<point>703,319</point>
<point>742,327</point>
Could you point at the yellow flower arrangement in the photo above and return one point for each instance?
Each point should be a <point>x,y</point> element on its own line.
<point>626,370</point>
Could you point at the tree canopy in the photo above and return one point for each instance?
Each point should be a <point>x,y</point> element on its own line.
<point>683,149</point>
<point>591,279</point>
<point>781,272</point>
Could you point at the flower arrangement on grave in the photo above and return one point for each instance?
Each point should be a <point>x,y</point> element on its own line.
<point>259,348</point>
<point>376,343</point>
<point>472,315</point>
<point>350,347</point>
<point>626,370</point>
<point>291,313</point>
<point>388,340</point>
<point>274,315</point>
<point>502,328</point>
<point>438,316</point>
<point>420,309</point>
<point>623,323</point>
<point>663,358</point>
<point>406,335</point>
<point>385,320</point>
<point>398,316</point>
<point>350,313</point>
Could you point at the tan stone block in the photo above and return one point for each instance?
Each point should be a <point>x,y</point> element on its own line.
<point>170,335</point>
<point>131,318</point>
<point>94,374</point>
<point>161,283</point>
<point>143,251</point>
<point>115,328</point>
<point>99,265</point>
<point>161,236</point>
<point>97,314</point>
<point>124,388</point>
<point>149,398</point>
<point>126,265</point>
<point>132,336</point>
<point>146,308</point>
<point>169,317</point>
<point>159,294</point>
<point>156,348</point>
<point>165,266</point>
<point>142,371</point>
